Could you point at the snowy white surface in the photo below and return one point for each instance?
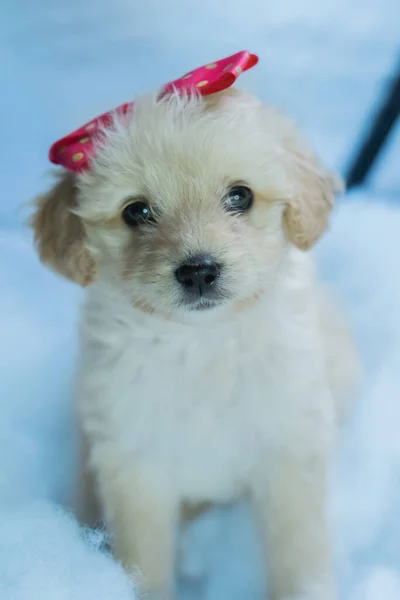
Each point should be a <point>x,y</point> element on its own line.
<point>60,64</point>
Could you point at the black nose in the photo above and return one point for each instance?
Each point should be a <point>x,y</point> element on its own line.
<point>198,275</point>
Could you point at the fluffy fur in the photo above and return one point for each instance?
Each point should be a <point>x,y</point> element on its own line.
<point>179,406</point>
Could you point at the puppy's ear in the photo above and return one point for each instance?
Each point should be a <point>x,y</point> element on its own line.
<point>306,215</point>
<point>60,234</point>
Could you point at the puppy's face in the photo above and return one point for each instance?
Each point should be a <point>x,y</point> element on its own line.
<point>189,206</point>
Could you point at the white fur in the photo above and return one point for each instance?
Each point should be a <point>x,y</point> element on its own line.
<point>238,400</point>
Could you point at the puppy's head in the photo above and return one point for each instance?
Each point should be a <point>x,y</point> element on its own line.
<point>190,205</point>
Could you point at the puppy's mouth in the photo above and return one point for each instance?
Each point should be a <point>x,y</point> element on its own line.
<point>203,304</point>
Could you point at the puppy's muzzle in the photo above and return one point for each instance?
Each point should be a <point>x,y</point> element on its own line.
<point>199,277</point>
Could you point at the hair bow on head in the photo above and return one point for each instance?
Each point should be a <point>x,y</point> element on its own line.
<point>75,150</point>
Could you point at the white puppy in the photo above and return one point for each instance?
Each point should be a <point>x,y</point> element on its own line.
<point>213,365</point>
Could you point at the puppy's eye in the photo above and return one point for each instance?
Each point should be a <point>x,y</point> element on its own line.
<point>137,213</point>
<point>239,199</point>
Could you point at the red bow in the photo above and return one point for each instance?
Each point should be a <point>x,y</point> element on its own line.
<point>75,150</point>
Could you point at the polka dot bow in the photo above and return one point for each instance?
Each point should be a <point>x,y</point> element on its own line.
<point>75,150</point>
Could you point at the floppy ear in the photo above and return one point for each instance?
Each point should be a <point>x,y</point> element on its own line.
<point>306,215</point>
<point>60,234</point>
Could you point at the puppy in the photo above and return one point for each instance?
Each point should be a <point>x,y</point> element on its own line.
<point>213,365</point>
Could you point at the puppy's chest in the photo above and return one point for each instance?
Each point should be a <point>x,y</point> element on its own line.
<point>207,393</point>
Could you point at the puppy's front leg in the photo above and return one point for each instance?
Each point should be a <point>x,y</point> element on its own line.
<point>290,507</point>
<point>141,512</point>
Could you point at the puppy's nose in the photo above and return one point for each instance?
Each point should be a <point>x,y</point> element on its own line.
<point>198,275</point>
